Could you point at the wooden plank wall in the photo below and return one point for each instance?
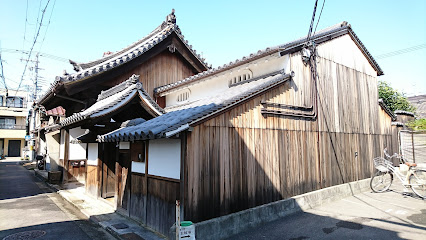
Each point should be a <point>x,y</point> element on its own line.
<point>92,180</point>
<point>151,199</point>
<point>241,159</point>
<point>162,69</point>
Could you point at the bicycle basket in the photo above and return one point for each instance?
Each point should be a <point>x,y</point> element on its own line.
<point>382,164</point>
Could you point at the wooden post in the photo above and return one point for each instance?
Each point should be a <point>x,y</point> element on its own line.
<point>177,218</point>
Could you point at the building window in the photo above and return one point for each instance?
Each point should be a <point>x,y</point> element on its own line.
<point>1,101</point>
<point>183,96</point>
<point>14,102</point>
<point>7,123</point>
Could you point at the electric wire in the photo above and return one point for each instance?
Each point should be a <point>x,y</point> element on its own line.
<point>312,21</point>
<point>319,17</point>
<point>48,24</point>
<point>401,51</point>
<point>25,27</point>
<point>41,54</point>
<point>34,42</point>
<point>2,73</point>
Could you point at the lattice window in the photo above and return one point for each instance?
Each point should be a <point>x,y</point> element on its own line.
<point>183,96</point>
<point>243,76</point>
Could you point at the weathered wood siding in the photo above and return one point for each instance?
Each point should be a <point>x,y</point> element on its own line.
<point>241,159</point>
<point>162,69</point>
<point>151,199</point>
<point>92,180</point>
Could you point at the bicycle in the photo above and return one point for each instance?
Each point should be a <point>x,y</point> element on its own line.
<point>412,175</point>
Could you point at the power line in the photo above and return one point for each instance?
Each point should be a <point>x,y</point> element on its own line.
<point>25,26</point>
<point>34,42</point>
<point>2,73</point>
<point>402,51</point>
<point>48,24</point>
<point>46,55</point>
<point>312,21</point>
<point>319,17</point>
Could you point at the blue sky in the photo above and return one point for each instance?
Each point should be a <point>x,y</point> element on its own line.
<point>222,31</point>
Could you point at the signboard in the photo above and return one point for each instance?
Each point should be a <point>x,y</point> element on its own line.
<point>187,233</point>
<point>27,138</point>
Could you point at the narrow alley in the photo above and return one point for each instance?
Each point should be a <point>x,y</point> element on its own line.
<point>29,209</point>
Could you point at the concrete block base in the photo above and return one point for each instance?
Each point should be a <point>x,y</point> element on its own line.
<point>226,226</point>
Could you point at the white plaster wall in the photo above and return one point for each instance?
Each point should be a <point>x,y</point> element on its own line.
<point>343,50</point>
<point>42,147</point>
<point>164,158</point>
<point>220,82</point>
<point>138,167</point>
<point>92,154</point>
<point>76,151</point>
<point>62,146</point>
<point>124,145</point>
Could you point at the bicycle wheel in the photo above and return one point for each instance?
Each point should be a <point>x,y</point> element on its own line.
<point>381,181</point>
<point>417,183</point>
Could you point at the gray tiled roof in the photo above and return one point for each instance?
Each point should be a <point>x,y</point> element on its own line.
<point>386,109</point>
<point>184,115</point>
<point>121,57</point>
<point>343,26</point>
<point>114,98</point>
<point>401,112</point>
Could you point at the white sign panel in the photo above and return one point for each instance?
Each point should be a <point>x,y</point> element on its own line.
<point>187,233</point>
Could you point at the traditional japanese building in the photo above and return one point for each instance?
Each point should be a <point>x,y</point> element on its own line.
<point>161,57</point>
<point>277,123</point>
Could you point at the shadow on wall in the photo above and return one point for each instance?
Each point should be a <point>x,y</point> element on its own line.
<point>239,160</point>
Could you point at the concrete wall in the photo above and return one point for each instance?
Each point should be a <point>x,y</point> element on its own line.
<point>229,225</point>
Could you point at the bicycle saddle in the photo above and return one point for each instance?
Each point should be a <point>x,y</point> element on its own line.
<point>410,164</point>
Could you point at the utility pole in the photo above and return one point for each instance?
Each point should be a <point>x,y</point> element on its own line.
<point>34,107</point>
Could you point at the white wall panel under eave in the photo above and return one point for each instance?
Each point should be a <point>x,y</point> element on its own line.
<point>164,158</point>
<point>62,146</point>
<point>92,154</point>
<point>76,151</point>
<point>138,167</point>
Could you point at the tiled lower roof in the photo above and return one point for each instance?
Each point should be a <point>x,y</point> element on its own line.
<point>179,118</point>
<point>115,98</point>
<point>386,109</point>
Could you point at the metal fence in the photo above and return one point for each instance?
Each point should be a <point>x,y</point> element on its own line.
<point>413,145</point>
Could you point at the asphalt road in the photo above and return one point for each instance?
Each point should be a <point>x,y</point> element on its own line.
<point>28,209</point>
<point>389,215</point>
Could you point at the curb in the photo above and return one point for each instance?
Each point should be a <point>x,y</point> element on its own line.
<point>108,225</point>
<point>232,224</point>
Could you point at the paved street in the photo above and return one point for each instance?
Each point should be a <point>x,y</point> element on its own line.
<point>29,208</point>
<point>368,215</point>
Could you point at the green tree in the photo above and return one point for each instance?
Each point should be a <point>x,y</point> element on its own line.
<point>393,99</point>
<point>419,124</point>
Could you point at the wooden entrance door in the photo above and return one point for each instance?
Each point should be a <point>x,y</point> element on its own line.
<point>123,177</point>
<point>14,149</point>
<point>109,156</point>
